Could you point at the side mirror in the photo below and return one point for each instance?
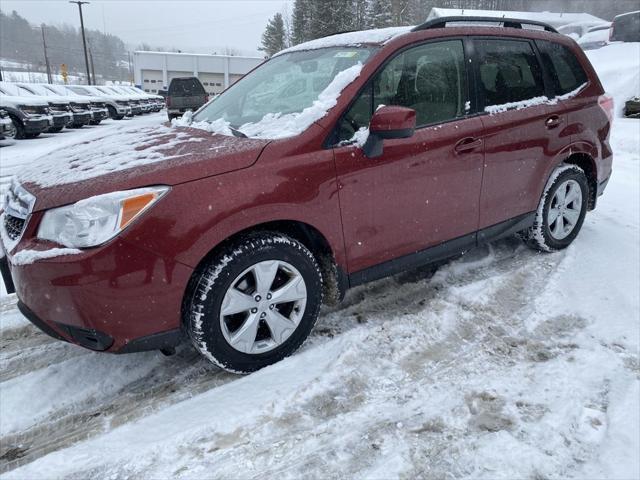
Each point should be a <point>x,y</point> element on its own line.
<point>388,123</point>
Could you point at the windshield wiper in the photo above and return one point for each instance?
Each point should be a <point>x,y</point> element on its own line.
<point>237,133</point>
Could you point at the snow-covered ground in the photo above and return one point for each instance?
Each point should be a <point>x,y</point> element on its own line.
<point>505,363</point>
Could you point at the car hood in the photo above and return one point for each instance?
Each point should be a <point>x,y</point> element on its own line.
<point>133,158</point>
<point>33,101</point>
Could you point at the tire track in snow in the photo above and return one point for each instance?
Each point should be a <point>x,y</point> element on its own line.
<point>185,374</point>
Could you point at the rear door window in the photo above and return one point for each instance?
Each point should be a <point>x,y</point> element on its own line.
<point>565,72</point>
<point>509,71</point>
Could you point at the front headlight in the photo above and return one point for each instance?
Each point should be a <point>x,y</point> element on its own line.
<point>29,110</point>
<point>96,220</point>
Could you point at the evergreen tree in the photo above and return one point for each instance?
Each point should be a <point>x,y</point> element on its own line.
<point>360,12</point>
<point>381,14</point>
<point>274,36</point>
<point>300,21</point>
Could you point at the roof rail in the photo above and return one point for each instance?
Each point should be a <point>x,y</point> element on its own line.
<point>506,22</point>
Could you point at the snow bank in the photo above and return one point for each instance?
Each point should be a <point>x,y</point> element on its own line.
<point>618,66</point>
<point>276,125</point>
<point>27,257</point>
<point>350,39</point>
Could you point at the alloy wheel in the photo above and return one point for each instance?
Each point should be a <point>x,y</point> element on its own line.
<point>263,306</point>
<point>564,210</point>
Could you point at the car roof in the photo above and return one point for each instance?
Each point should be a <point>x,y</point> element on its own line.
<point>376,36</point>
<point>462,25</point>
<point>625,14</point>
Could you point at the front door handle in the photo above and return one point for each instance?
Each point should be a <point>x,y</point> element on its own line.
<point>553,121</point>
<point>468,144</point>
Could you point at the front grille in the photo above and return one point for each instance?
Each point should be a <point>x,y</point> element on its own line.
<point>58,107</point>
<point>78,107</point>
<point>13,226</point>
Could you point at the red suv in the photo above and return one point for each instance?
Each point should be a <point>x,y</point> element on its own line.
<point>336,162</point>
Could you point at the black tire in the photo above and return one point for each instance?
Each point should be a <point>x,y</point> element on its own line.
<point>55,129</point>
<point>209,285</point>
<point>19,129</point>
<point>112,112</point>
<point>31,135</point>
<point>171,117</point>
<point>540,235</point>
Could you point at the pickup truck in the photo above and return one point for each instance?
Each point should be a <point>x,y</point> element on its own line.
<point>186,93</point>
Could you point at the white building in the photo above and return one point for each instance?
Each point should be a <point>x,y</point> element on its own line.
<point>153,71</point>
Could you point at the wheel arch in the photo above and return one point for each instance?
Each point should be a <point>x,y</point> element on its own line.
<point>588,165</point>
<point>335,280</point>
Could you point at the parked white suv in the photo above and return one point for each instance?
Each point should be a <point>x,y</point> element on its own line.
<point>59,109</point>
<point>117,106</point>
<point>30,116</point>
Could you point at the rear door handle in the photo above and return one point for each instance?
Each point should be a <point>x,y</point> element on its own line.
<point>553,121</point>
<point>468,144</point>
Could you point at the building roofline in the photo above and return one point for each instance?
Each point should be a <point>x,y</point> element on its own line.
<point>186,54</point>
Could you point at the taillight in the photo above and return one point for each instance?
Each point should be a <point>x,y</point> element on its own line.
<point>606,104</point>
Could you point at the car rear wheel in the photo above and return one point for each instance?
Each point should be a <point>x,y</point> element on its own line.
<point>254,303</point>
<point>561,211</point>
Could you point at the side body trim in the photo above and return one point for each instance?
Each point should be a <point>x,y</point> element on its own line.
<point>445,250</point>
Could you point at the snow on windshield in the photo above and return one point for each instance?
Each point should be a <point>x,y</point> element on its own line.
<point>282,125</point>
<point>351,39</point>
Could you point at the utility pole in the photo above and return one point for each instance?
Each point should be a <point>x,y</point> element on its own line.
<point>46,57</point>
<point>84,40</point>
<point>130,68</point>
<point>93,70</point>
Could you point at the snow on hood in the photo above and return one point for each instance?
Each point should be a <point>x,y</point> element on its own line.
<point>33,101</point>
<point>134,157</point>
<point>350,39</point>
<point>277,125</point>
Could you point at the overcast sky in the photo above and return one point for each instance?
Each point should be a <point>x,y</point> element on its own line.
<point>202,26</point>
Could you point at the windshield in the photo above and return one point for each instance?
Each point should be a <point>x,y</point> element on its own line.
<point>284,87</point>
<point>56,90</point>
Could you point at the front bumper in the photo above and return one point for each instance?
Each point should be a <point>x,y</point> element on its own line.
<point>99,114</point>
<point>5,125</point>
<point>82,118</point>
<point>37,124</point>
<point>117,298</point>
<point>62,119</point>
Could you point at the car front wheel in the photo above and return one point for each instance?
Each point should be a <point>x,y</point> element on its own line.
<point>561,211</point>
<point>254,303</point>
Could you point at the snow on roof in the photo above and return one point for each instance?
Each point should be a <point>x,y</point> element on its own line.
<point>552,18</point>
<point>350,39</point>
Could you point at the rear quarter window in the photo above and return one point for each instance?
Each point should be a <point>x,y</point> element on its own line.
<point>565,71</point>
